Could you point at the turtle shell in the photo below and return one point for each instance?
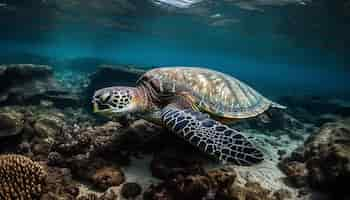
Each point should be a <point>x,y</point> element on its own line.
<point>213,92</point>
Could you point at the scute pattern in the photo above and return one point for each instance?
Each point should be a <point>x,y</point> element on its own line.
<point>211,136</point>
<point>121,98</point>
<point>214,92</point>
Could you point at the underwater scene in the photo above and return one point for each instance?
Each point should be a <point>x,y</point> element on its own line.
<point>174,99</point>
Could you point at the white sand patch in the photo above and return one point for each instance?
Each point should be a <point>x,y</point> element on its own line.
<point>139,171</point>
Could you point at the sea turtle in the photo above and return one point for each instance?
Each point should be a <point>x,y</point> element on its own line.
<point>195,104</point>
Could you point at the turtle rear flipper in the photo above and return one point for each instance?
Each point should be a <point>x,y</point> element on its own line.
<point>210,136</point>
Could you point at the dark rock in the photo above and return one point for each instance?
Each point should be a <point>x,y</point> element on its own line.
<point>312,109</point>
<point>164,167</point>
<point>24,81</point>
<point>189,187</point>
<point>141,134</point>
<point>107,177</point>
<point>41,148</point>
<point>131,190</point>
<point>107,76</point>
<point>55,159</point>
<point>30,84</point>
<point>24,148</point>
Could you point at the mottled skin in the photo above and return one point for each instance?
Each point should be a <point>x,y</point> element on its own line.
<point>194,103</point>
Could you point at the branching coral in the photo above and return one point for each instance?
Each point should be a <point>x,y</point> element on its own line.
<point>20,178</point>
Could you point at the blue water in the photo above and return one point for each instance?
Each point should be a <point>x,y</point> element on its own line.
<point>251,46</point>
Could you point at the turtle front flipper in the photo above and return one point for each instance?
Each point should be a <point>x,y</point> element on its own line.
<point>210,136</point>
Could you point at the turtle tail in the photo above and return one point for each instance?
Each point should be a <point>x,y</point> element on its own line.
<point>277,105</point>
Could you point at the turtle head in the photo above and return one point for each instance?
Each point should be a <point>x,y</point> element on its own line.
<point>116,101</point>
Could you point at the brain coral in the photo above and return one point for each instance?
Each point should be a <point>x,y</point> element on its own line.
<point>20,178</point>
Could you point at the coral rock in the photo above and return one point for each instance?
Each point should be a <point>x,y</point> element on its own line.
<point>131,190</point>
<point>110,194</point>
<point>55,159</point>
<point>21,178</point>
<point>48,126</point>
<point>60,184</point>
<point>297,173</point>
<point>190,187</point>
<point>11,123</point>
<point>251,191</point>
<point>219,184</point>
<point>108,177</point>
<point>328,157</point>
<point>157,192</point>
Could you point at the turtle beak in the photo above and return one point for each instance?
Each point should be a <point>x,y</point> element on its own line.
<point>95,107</point>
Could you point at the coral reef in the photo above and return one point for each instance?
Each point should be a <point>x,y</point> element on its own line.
<point>21,178</point>
<point>324,160</point>
<point>86,157</point>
